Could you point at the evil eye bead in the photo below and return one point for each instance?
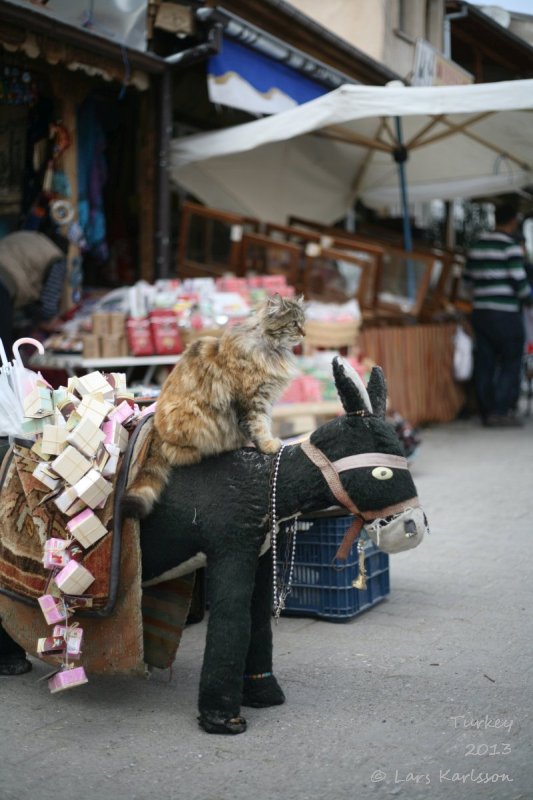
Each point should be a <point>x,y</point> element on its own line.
<point>382,473</point>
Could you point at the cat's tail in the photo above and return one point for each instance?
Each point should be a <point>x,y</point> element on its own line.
<point>142,495</point>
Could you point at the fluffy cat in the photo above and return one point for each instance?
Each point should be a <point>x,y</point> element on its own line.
<point>219,396</point>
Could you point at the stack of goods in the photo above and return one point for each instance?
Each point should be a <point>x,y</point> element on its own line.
<point>315,383</point>
<point>107,338</point>
<point>162,318</point>
<point>79,433</point>
<point>254,288</point>
<point>165,321</point>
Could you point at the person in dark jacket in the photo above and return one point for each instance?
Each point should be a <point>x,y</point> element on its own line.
<point>32,277</point>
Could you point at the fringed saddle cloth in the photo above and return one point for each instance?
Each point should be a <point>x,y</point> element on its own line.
<point>127,626</point>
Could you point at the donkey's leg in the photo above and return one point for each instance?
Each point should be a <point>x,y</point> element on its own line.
<point>261,688</point>
<point>13,659</point>
<point>231,578</point>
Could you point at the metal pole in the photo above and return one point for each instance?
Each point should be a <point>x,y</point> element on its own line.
<point>400,156</point>
<point>162,265</point>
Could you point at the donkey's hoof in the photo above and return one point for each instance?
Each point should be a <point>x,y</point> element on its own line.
<point>14,664</point>
<point>216,723</point>
<point>262,692</point>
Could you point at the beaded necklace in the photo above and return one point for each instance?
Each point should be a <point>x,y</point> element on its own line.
<point>282,588</point>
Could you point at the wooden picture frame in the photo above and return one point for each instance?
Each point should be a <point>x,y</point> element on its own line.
<point>264,255</point>
<point>335,275</point>
<point>403,282</point>
<point>210,241</point>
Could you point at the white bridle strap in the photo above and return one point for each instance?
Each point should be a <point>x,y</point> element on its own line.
<point>370,460</point>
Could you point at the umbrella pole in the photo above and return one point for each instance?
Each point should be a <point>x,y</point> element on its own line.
<point>400,156</point>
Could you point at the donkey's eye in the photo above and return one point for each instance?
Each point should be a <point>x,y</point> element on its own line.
<point>382,473</point>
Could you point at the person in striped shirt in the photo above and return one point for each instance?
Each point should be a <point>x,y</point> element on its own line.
<point>496,275</point>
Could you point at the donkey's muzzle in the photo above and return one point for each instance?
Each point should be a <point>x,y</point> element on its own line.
<point>400,532</point>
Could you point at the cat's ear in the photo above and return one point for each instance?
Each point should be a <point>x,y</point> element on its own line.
<point>274,302</point>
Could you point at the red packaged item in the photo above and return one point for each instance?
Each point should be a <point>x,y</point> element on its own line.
<point>165,332</point>
<point>139,335</point>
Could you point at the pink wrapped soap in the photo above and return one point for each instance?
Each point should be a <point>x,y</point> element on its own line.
<point>73,579</point>
<point>67,679</point>
<point>51,609</point>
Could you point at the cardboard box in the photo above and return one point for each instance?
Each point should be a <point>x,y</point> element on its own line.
<point>116,434</point>
<point>100,323</point>
<point>92,345</point>
<point>95,383</point>
<point>74,578</point>
<point>111,465</point>
<point>59,395</point>
<point>54,439</point>
<point>65,500</point>
<point>43,473</point>
<point>51,645</point>
<point>67,407</point>
<point>117,323</point>
<point>33,426</point>
<point>86,528</point>
<point>121,413</point>
<point>118,381</point>
<point>37,449</point>
<point>86,437</point>
<point>55,554</point>
<point>76,507</point>
<point>71,465</point>
<point>73,636</point>
<point>94,408</point>
<point>38,403</point>
<point>93,488</point>
<point>114,346</point>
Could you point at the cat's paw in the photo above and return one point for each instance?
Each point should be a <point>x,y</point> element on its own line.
<point>270,446</point>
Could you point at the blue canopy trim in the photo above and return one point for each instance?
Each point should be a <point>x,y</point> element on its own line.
<point>244,78</point>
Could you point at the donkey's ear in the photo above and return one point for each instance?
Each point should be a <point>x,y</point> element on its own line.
<point>350,387</point>
<point>377,390</point>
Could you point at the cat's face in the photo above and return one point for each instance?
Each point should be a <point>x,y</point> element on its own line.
<point>284,319</point>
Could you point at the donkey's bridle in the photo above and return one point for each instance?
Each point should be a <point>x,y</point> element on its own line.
<point>331,471</point>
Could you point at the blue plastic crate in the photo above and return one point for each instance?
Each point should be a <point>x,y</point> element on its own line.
<point>321,590</point>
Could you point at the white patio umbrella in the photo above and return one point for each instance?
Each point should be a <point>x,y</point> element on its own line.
<point>314,160</point>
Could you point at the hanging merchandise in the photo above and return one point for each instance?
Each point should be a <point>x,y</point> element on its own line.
<point>76,279</point>
<point>61,183</point>
<point>61,212</point>
<point>17,87</point>
<point>92,177</point>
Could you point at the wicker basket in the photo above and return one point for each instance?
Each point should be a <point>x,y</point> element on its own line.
<point>330,335</point>
<point>189,335</point>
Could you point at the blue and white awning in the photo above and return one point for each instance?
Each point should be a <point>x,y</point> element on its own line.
<point>244,78</point>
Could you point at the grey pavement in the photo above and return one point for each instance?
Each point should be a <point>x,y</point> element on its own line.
<point>427,695</point>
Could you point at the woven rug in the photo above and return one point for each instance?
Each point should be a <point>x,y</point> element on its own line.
<point>126,628</point>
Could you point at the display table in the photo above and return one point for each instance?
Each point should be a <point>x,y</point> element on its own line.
<point>72,364</point>
<point>292,419</point>
<point>417,361</point>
